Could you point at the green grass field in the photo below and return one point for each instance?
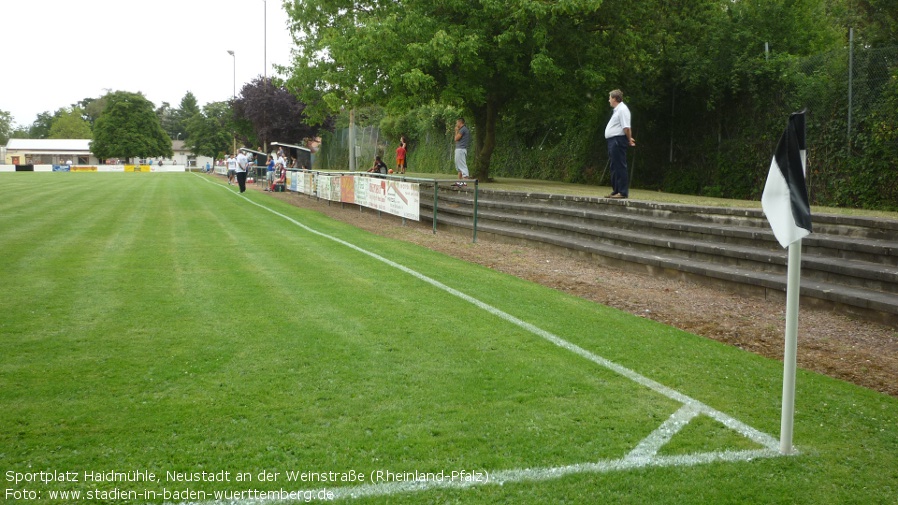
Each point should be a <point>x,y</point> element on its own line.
<point>162,324</point>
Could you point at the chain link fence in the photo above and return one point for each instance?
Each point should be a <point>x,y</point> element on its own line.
<point>430,152</point>
<point>851,97</point>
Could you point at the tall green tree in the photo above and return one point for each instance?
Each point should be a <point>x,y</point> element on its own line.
<point>209,132</point>
<point>70,125</point>
<point>91,108</point>
<point>6,127</point>
<point>40,128</point>
<point>168,119</point>
<point>188,108</point>
<point>483,56</point>
<point>875,22</point>
<point>129,128</point>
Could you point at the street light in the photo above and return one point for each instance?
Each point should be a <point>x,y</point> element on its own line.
<point>265,45</point>
<point>265,56</point>
<point>234,95</point>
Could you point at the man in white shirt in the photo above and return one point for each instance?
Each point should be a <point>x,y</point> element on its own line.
<point>232,168</point>
<point>619,137</point>
<point>242,162</point>
<point>281,161</point>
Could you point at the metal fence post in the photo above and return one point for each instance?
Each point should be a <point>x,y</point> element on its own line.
<point>476,191</point>
<point>850,81</point>
<point>435,189</point>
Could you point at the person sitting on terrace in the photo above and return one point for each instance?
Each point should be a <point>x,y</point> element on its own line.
<point>379,166</point>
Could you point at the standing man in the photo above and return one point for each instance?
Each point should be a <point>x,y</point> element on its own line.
<point>232,168</point>
<point>619,136</point>
<point>270,176</point>
<point>462,139</point>
<point>242,163</point>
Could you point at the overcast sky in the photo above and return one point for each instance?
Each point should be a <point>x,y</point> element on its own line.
<point>57,52</point>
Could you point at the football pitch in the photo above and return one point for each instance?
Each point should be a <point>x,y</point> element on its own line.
<point>165,339</point>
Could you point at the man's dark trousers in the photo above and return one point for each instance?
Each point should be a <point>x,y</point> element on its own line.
<point>241,180</point>
<point>617,151</point>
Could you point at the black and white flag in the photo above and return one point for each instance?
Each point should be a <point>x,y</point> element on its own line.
<point>785,198</point>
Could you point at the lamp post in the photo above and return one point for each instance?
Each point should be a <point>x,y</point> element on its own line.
<point>265,43</point>
<point>234,94</point>
<point>234,57</point>
<point>265,62</point>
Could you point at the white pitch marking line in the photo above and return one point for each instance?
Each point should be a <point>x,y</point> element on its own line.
<point>642,456</point>
<point>549,473</point>
<point>650,445</point>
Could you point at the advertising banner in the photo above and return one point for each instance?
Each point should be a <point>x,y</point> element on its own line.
<point>347,189</point>
<point>404,199</point>
<point>306,181</point>
<point>394,197</point>
<point>386,195</point>
<point>329,187</point>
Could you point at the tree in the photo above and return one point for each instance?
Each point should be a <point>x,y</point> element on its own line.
<point>40,129</point>
<point>70,125</point>
<point>168,119</point>
<point>188,108</point>
<point>266,111</point>
<point>875,22</point>
<point>208,132</point>
<point>91,108</point>
<point>6,126</point>
<point>129,128</point>
<point>483,56</point>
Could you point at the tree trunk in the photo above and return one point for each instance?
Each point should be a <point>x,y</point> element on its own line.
<point>485,137</point>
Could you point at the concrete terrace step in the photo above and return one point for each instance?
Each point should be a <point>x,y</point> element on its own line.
<point>704,241</point>
<point>845,226</point>
<point>848,263</point>
<point>873,236</point>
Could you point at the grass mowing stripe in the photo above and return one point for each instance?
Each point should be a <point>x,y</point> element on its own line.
<point>759,437</point>
<point>135,335</point>
<point>346,375</point>
<point>36,259</point>
<point>644,453</point>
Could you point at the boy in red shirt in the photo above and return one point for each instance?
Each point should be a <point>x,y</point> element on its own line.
<point>400,158</point>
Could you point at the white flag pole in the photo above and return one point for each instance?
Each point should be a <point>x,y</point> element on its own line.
<point>793,287</point>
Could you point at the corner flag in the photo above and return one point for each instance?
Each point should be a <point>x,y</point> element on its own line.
<point>785,197</point>
<point>785,203</point>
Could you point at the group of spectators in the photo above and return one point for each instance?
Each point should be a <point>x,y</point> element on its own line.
<point>277,170</point>
<point>276,174</point>
<point>618,134</point>
<point>238,166</point>
<point>380,167</point>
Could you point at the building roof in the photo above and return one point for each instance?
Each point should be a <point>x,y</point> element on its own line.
<point>61,146</point>
<point>67,146</point>
<point>260,153</point>
<point>291,146</point>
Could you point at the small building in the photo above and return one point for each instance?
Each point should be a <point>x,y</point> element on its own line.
<point>183,156</point>
<point>77,152</point>
<point>49,152</point>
